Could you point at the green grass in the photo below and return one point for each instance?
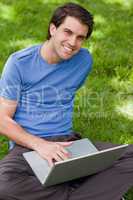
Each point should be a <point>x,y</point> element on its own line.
<point>104,106</point>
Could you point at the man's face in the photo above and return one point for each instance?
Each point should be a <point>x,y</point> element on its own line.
<point>67,39</point>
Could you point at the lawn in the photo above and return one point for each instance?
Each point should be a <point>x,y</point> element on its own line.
<point>104,106</point>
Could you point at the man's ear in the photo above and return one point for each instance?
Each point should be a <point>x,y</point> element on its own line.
<point>52,29</point>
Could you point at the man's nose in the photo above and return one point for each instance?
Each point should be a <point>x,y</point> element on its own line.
<point>72,41</point>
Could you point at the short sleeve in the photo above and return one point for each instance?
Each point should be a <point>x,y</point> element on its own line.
<point>10,80</point>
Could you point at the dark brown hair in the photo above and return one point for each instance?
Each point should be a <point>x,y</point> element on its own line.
<point>73,10</point>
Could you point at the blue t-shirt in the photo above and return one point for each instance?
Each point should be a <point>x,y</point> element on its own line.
<point>45,92</point>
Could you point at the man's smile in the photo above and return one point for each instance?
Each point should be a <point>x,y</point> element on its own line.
<point>68,49</point>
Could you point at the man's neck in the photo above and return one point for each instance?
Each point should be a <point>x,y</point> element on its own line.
<point>48,53</point>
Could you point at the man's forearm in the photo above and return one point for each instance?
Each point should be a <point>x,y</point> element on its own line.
<point>47,150</point>
<point>15,132</point>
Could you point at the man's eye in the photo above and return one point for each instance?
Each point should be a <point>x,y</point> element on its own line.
<point>68,32</point>
<point>81,38</point>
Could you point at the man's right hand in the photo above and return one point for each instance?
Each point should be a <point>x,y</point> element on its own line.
<point>52,151</point>
<point>10,128</point>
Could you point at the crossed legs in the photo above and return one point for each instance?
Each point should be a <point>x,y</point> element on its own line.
<point>17,181</point>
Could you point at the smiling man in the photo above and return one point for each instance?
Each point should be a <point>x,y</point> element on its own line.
<point>65,40</point>
<point>38,84</point>
<point>37,90</point>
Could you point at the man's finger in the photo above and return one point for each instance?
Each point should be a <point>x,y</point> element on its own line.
<point>65,151</point>
<point>65,143</point>
<point>57,157</point>
<point>63,155</point>
<point>50,162</point>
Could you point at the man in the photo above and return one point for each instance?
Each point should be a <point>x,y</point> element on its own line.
<point>38,86</point>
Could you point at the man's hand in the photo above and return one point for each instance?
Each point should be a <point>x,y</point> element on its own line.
<point>48,150</point>
<point>53,150</point>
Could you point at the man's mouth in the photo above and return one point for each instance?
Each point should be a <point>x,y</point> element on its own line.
<point>68,49</point>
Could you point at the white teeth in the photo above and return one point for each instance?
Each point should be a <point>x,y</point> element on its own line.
<point>68,49</point>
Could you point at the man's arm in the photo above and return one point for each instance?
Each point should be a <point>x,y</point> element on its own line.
<point>8,127</point>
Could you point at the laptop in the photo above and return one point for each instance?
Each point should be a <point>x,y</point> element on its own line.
<point>85,160</point>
